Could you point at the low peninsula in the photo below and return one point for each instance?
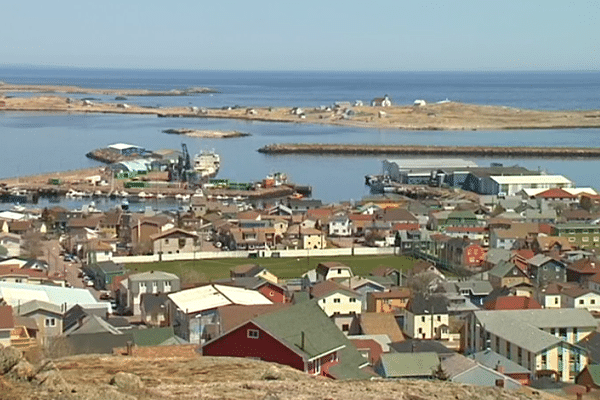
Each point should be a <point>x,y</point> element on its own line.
<point>448,116</point>
<point>14,88</point>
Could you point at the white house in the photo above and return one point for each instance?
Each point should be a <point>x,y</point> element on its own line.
<point>426,318</point>
<point>340,226</point>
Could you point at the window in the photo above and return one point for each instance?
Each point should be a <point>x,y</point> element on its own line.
<point>166,241</point>
<point>571,239</point>
<point>581,301</point>
<point>253,334</point>
<point>352,300</point>
<point>336,300</point>
<point>50,322</point>
<point>562,332</point>
<point>423,319</point>
<point>345,327</point>
<point>508,349</point>
<point>553,331</point>
<point>596,238</point>
<point>439,318</point>
<point>556,300</point>
<point>420,330</point>
<point>585,239</point>
<point>592,301</point>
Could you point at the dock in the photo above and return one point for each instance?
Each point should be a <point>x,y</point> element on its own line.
<point>416,150</point>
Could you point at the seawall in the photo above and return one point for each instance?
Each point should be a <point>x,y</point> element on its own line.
<point>410,150</point>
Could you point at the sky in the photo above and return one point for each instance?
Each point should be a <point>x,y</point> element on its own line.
<point>385,35</point>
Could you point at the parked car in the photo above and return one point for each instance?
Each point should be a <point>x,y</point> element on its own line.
<point>90,283</point>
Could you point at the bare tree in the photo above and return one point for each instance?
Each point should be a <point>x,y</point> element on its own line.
<point>32,245</point>
<point>423,282</point>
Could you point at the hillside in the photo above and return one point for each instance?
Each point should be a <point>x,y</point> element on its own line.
<point>89,377</point>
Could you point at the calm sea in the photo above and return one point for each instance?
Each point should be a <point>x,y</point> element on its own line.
<point>45,142</point>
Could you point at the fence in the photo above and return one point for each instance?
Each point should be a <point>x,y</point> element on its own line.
<point>201,255</point>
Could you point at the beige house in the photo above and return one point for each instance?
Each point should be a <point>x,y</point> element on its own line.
<point>48,316</point>
<point>333,270</point>
<point>312,239</point>
<point>338,302</point>
<point>539,340</point>
<point>174,241</point>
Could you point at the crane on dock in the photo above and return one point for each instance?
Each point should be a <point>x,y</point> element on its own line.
<point>183,171</point>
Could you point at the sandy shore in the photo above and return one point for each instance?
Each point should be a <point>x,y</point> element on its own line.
<point>447,116</point>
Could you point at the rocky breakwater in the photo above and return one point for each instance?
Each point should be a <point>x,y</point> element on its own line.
<point>409,150</point>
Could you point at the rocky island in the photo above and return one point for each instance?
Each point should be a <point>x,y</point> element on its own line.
<point>206,134</point>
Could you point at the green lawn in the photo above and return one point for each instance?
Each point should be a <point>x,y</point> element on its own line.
<point>207,270</point>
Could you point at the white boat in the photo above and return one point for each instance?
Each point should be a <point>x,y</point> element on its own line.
<point>207,164</point>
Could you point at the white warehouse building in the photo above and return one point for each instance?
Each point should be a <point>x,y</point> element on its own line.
<point>511,185</point>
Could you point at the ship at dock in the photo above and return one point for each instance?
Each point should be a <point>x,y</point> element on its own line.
<point>207,164</point>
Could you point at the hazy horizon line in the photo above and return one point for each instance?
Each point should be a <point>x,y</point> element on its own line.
<point>103,68</point>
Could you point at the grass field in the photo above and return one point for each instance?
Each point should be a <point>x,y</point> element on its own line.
<point>206,270</point>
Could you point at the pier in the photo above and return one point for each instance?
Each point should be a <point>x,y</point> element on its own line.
<point>415,150</point>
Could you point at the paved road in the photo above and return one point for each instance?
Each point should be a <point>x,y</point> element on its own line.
<point>56,263</point>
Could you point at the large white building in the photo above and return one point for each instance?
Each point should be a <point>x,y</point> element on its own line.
<point>513,184</point>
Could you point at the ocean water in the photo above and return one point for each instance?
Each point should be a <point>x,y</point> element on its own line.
<point>36,143</point>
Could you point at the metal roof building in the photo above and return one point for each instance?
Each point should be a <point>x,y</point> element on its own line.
<point>19,293</point>
<point>212,296</point>
<point>126,149</point>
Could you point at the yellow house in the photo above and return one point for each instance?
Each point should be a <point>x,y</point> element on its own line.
<point>539,340</point>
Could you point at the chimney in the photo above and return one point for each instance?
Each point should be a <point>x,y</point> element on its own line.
<point>129,348</point>
<point>500,368</point>
<point>302,340</point>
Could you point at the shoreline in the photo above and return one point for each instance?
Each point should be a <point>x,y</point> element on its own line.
<point>410,150</point>
<point>448,116</point>
<point>67,89</point>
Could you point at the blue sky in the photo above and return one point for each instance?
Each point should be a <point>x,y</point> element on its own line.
<point>394,35</point>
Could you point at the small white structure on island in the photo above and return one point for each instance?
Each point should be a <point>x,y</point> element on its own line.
<point>123,105</point>
<point>358,103</point>
<point>382,114</point>
<point>251,111</point>
<point>384,101</point>
<point>419,103</point>
<point>297,111</point>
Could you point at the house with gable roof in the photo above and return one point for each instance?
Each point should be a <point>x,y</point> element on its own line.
<point>152,282</point>
<point>333,270</point>
<point>460,369</point>
<point>340,303</point>
<point>300,336</point>
<point>543,270</point>
<point>507,274</point>
<point>426,318</point>
<point>583,269</point>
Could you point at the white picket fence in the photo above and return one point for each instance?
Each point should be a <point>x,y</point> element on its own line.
<point>357,251</point>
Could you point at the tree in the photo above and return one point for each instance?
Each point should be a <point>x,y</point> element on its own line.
<point>32,245</point>
<point>423,282</point>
